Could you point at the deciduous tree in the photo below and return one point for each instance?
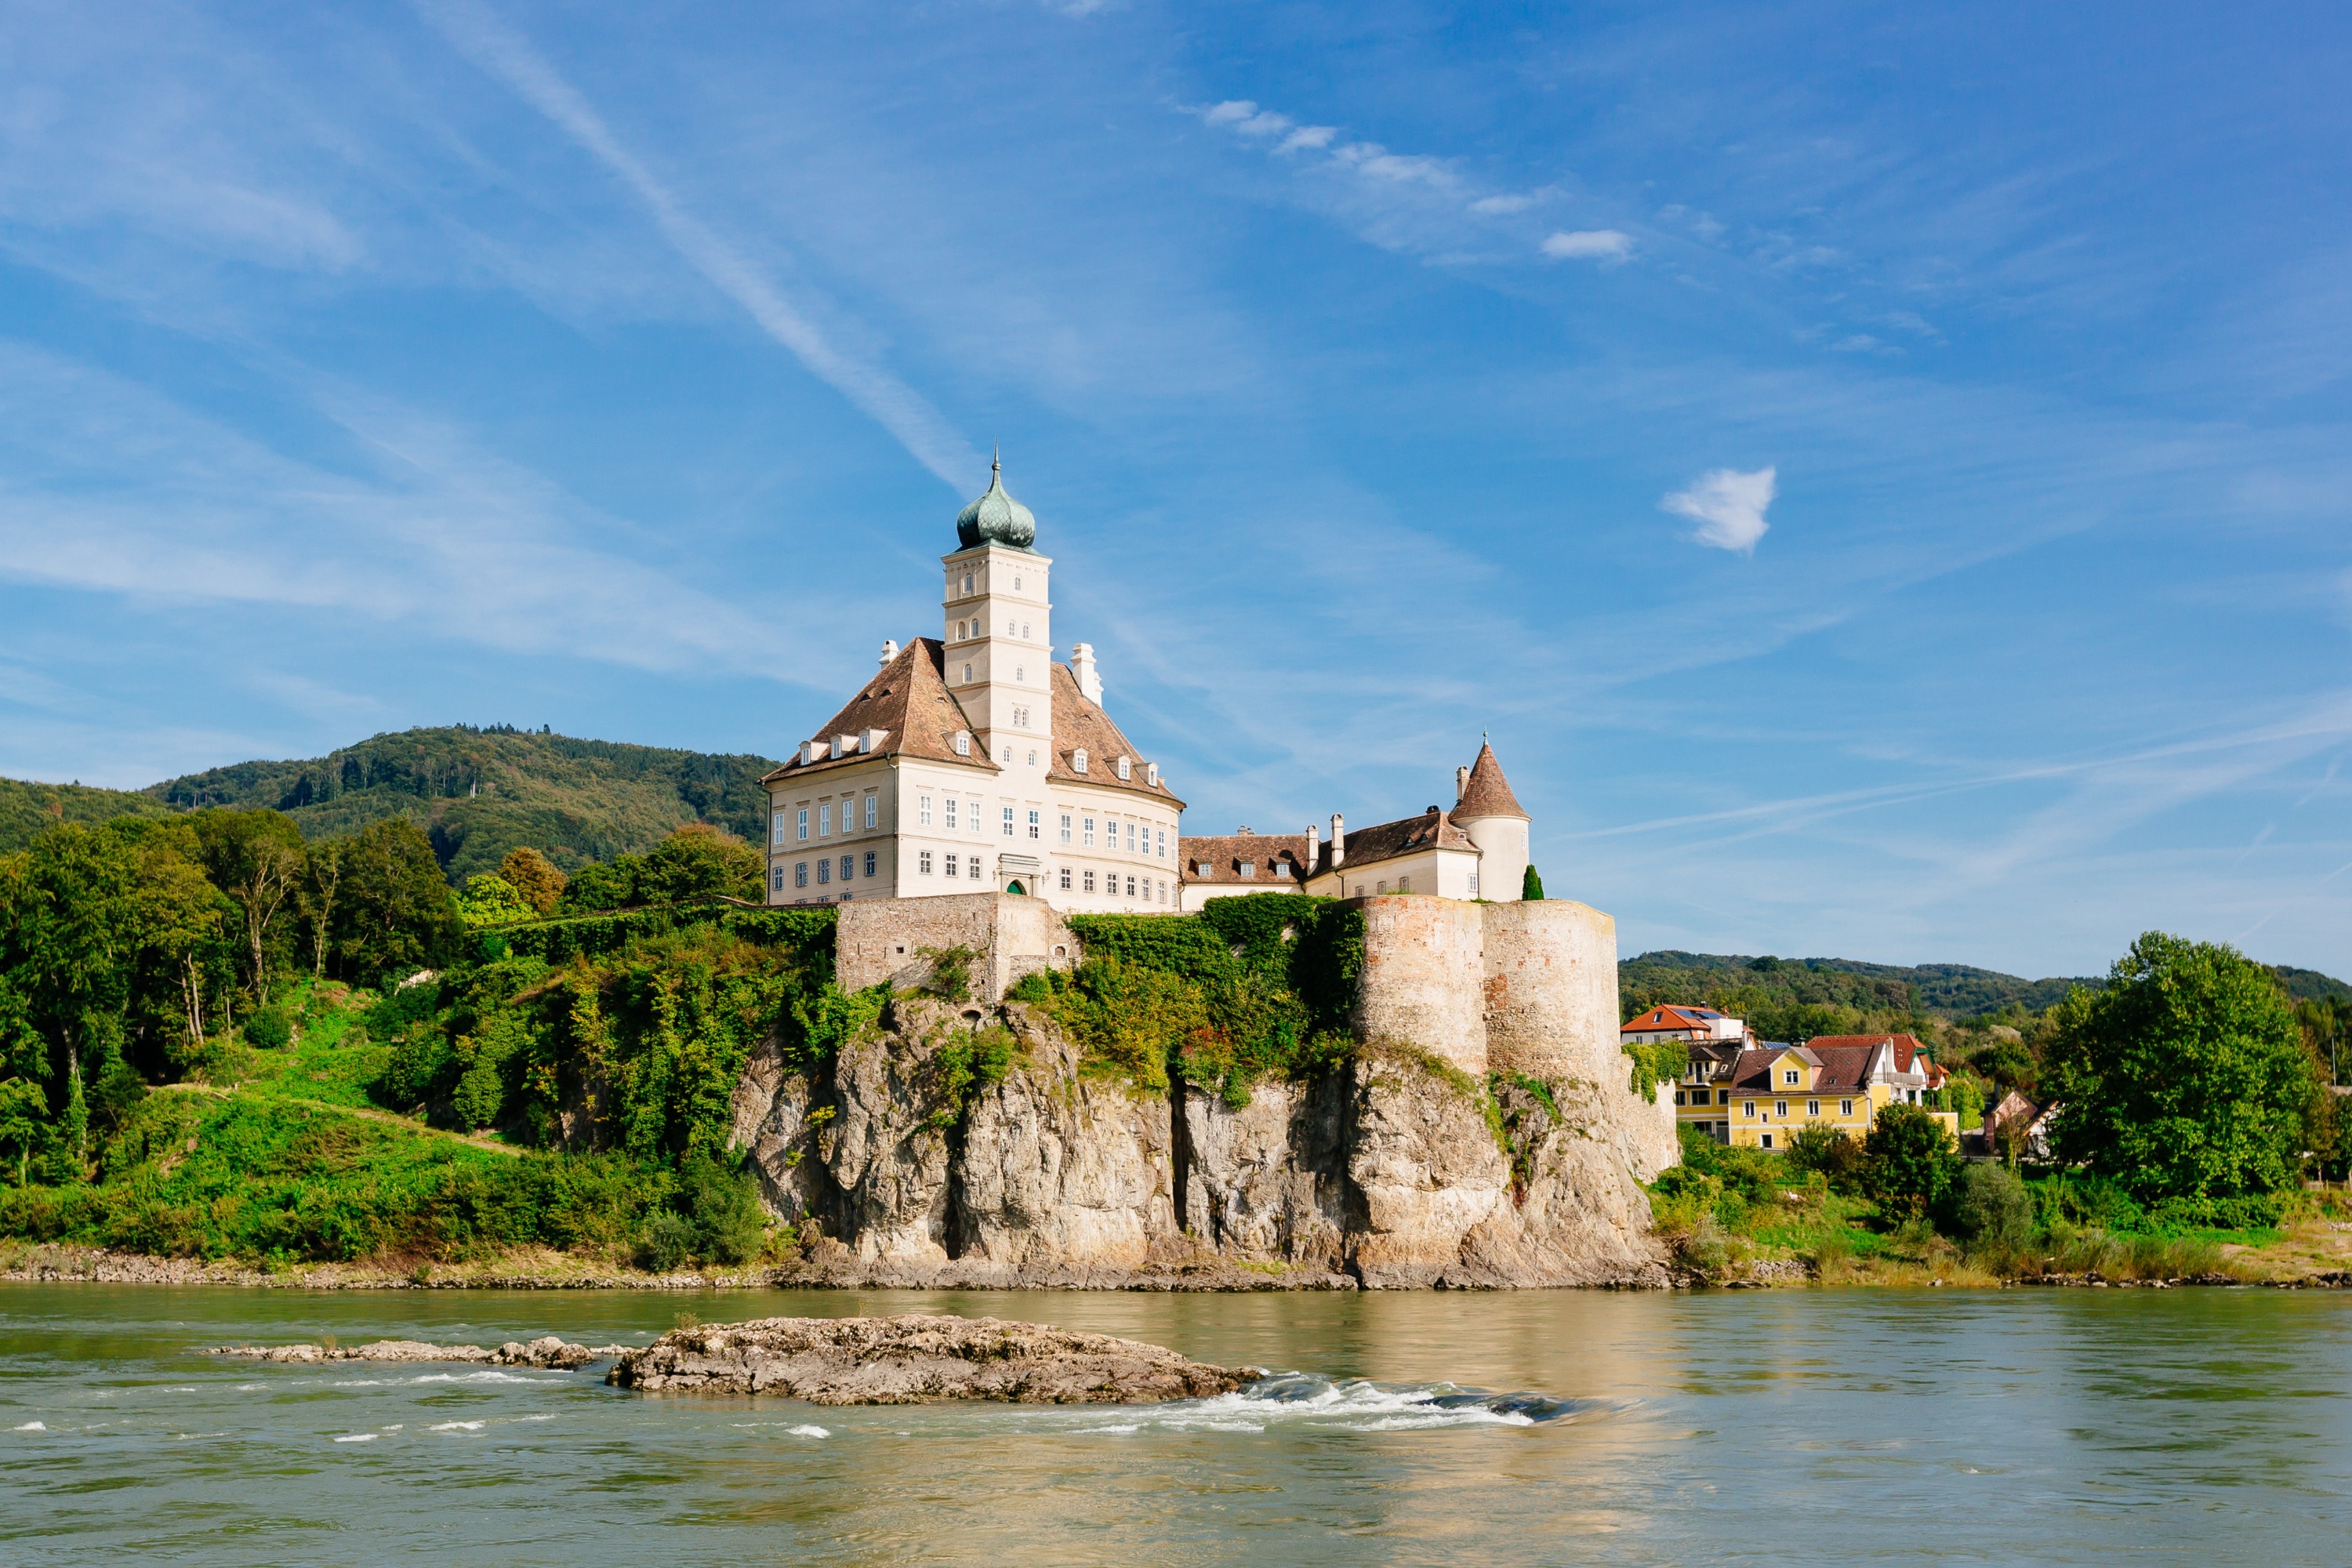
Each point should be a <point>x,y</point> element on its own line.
<point>2186,1076</point>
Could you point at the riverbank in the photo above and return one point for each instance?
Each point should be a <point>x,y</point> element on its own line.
<point>2315,1256</point>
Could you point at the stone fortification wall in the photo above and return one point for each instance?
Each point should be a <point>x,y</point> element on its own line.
<point>1408,1166</point>
<point>1551,990</point>
<point>1422,978</point>
<point>884,939</point>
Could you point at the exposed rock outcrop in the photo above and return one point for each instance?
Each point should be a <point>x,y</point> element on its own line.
<point>918,1360</point>
<point>1387,1173</point>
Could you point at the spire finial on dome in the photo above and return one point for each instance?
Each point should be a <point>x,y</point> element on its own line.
<point>996,460</point>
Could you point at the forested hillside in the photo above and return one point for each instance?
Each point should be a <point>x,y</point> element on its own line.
<point>26,808</point>
<point>1953,991</point>
<point>477,794</point>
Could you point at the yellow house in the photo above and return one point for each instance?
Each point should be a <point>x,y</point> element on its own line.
<point>1759,1096</point>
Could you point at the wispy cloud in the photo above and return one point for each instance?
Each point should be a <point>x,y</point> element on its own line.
<point>899,408</point>
<point>1728,507</point>
<point>1603,244</point>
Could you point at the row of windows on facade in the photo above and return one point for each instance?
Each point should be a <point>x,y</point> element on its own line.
<point>969,868</point>
<point>968,581</point>
<point>973,628</point>
<point>1141,837</point>
<point>1779,1107</point>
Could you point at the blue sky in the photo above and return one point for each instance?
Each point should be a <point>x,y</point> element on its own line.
<point>1882,475</point>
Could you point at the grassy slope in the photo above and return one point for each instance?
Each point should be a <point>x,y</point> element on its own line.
<point>478,792</point>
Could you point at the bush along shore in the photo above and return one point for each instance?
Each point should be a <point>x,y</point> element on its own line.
<point>1831,1211</point>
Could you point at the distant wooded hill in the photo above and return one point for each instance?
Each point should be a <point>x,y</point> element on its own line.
<point>1950,991</point>
<point>477,793</point>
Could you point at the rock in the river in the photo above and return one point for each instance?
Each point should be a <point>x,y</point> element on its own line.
<point>547,1351</point>
<point>917,1358</point>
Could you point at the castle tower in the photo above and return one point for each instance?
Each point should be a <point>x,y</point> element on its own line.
<point>998,636</point>
<point>1491,814</point>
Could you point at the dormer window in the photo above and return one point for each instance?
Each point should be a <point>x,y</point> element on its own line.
<point>1787,1075</point>
<point>1079,761</point>
<point>1151,775</point>
<point>1249,868</point>
<point>963,743</point>
<point>1124,771</point>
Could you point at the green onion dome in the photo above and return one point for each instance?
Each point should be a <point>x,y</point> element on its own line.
<point>996,518</point>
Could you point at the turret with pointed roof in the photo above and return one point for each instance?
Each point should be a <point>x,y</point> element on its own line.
<point>1491,814</point>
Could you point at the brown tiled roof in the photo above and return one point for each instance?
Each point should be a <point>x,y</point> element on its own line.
<point>1751,1072</point>
<point>1430,829</point>
<point>1079,722</point>
<point>909,698</point>
<point>1270,855</point>
<point>1905,1046</point>
<point>1488,793</point>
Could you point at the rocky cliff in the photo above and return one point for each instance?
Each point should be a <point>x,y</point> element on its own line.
<point>1398,1169</point>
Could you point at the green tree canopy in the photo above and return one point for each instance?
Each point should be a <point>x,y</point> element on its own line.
<point>2186,1076</point>
<point>1531,885</point>
<point>398,915</point>
<point>1908,1162</point>
<point>257,858</point>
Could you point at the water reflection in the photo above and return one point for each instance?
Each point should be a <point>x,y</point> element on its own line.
<point>1508,1428</point>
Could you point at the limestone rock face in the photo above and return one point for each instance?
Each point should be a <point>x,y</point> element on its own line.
<point>1384,1173</point>
<point>916,1360</point>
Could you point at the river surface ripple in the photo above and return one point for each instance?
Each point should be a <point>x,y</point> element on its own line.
<point>1790,1426</point>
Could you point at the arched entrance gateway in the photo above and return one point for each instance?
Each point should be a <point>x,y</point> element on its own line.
<point>1014,887</point>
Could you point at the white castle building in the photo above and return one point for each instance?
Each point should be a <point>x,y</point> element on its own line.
<point>973,762</point>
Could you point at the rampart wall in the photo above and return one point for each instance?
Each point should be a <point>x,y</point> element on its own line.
<point>1009,935</point>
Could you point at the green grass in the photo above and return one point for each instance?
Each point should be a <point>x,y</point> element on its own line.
<point>259,1176</point>
<point>331,1058</point>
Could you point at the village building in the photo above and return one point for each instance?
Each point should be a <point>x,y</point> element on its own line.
<point>973,762</point>
<point>1755,1095</point>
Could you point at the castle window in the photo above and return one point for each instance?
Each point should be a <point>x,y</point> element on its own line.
<point>1079,761</point>
<point>1036,824</point>
<point>1008,811</point>
<point>964,737</point>
<point>960,625</point>
<point>1065,828</point>
<point>923,810</point>
<point>800,875</point>
<point>1473,884</point>
<point>849,867</point>
<point>1008,754</point>
<point>776,880</point>
<point>1089,841</point>
<point>1020,672</point>
<point>923,862</point>
<point>804,825</point>
<point>1249,868</point>
<point>1163,890</point>
<point>971,818</point>
<point>1385,887</point>
<point>967,582</point>
<point>1163,844</point>
<point>1124,771</point>
<point>1130,838</point>
<point>1090,881</point>
<point>1130,886</point>
<point>1066,878</point>
<point>967,675</point>
<point>951,864</point>
<point>1025,625</point>
<point>951,810</point>
<point>873,809</point>
<point>1033,759</point>
<point>1405,884</point>
<point>870,862</point>
<point>1151,775</point>
<point>823,872</point>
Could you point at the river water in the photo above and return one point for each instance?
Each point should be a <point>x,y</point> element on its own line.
<point>2190,1426</point>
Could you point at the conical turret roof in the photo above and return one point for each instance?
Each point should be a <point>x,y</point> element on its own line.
<point>1488,793</point>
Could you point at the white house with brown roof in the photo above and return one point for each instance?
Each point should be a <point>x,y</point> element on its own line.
<point>973,762</point>
<point>1476,850</point>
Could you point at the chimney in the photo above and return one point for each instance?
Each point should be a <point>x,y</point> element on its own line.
<point>889,649</point>
<point>1313,841</point>
<point>1461,784</point>
<point>1338,840</point>
<point>1082,665</point>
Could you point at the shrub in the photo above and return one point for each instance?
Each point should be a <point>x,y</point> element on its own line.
<point>1908,1160</point>
<point>269,1029</point>
<point>1827,1152</point>
<point>667,1244</point>
<point>728,1223</point>
<point>1991,1208</point>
